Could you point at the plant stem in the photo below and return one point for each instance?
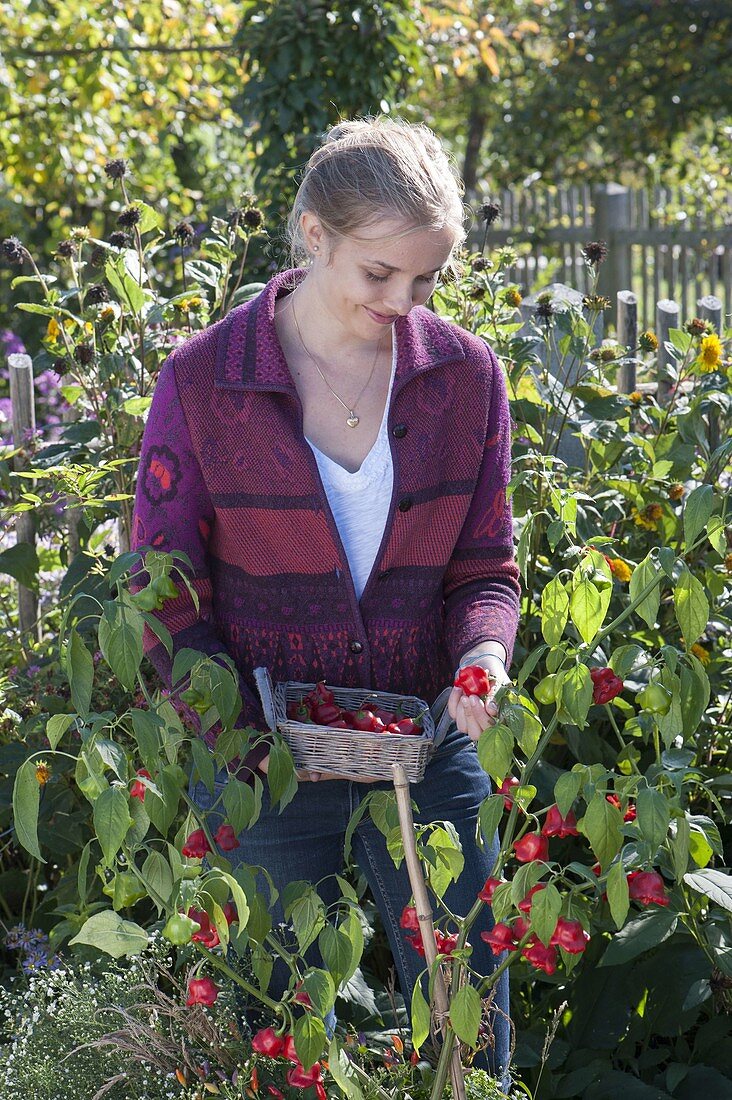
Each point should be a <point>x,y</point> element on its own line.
<point>224,967</point>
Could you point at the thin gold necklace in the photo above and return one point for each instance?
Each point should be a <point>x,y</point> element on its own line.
<point>352,420</point>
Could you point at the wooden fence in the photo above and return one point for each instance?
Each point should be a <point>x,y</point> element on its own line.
<point>626,324</point>
<point>658,248</point>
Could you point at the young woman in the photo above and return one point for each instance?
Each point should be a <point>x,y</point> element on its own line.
<point>333,458</point>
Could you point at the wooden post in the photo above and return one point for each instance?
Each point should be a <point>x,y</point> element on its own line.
<point>628,337</point>
<point>24,424</point>
<point>613,213</point>
<point>424,913</point>
<point>709,308</point>
<point>667,317</point>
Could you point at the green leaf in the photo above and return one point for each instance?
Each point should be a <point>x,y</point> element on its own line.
<point>111,821</point>
<point>320,987</point>
<point>691,606</point>
<point>445,860</point>
<point>80,672</point>
<point>281,776</point>
<point>715,885</point>
<point>108,932</point>
<point>642,576</point>
<point>617,893</point>
<point>715,534</point>
<point>26,801</point>
<point>652,816</point>
<point>307,914</point>
<point>490,816</point>
<point>21,562</point>
<point>336,950</point>
<point>125,287</point>
<point>700,849</point>
<point>495,751</point>
<point>420,1017</point>
<point>238,800</point>
<point>204,765</point>
<point>698,509</point>
<point>554,611</point>
<point>623,660</point>
<point>577,693</point>
<point>238,897</point>
<point>56,727</point>
<point>120,640</point>
<point>157,873</point>
<point>309,1036</point>
<point>351,926</point>
<point>695,694</point>
<point>680,847</point>
<point>146,726</point>
<point>601,825</point>
<point>566,789</point>
<point>465,1013</point>
<point>546,905</point>
<point>342,1072</point>
<point>587,608</point>
<point>645,932</point>
<point>163,809</point>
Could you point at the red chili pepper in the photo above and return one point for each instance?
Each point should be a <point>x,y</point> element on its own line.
<point>408,727</point>
<point>268,1042</point>
<point>321,694</point>
<point>339,724</point>
<point>325,713</point>
<point>349,716</point>
<point>474,680</point>
<point>393,727</point>
<point>364,720</point>
<point>377,725</point>
<point>299,711</point>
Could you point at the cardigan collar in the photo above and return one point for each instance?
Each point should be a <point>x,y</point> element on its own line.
<point>250,356</point>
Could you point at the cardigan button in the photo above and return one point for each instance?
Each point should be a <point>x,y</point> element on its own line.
<point>405,504</point>
<point>356,647</point>
<point>385,574</point>
<point>399,431</point>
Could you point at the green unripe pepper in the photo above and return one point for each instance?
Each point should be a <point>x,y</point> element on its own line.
<point>655,698</point>
<point>179,929</point>
<point>164,588</point>
<point>124,889</point>
<point>546,690</point>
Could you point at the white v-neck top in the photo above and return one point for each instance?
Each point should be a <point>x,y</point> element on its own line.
<point>360,500</point>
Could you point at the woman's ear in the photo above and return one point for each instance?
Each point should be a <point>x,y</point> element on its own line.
<point>312,232</point>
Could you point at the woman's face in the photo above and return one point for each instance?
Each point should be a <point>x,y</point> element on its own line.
<point>364,283</point>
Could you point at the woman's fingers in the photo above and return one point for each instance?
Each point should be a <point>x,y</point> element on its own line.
<point>473,717</point>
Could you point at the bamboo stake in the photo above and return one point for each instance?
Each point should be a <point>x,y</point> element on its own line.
<point>424,915</point>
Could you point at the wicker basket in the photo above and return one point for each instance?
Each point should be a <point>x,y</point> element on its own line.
<point>354,754</point>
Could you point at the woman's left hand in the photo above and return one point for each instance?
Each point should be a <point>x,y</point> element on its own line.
<point>472,714</point>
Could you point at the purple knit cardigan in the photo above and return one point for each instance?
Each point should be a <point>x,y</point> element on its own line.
<point>226,476</point>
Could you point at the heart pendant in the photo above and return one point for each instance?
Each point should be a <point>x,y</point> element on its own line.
<point>352,421</point>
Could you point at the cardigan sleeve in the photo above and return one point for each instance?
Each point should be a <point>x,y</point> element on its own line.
<point>173,511</point>
<point>481,584</point>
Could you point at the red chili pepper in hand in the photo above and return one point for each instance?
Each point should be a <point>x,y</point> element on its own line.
<point>474,680</point>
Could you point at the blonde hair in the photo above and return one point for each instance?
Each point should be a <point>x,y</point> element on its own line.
<point>373,168</point>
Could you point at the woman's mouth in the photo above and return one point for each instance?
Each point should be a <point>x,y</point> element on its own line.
<point>380,318</point>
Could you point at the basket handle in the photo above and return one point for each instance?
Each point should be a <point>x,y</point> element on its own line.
<point>266,694</point>
<point>440,716</point>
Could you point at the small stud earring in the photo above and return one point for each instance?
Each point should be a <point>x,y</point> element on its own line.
<point>316,248</point>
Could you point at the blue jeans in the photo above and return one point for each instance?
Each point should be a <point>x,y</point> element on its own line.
<point>305,841</point>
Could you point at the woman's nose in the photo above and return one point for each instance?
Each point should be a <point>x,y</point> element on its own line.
<point>400,301</point>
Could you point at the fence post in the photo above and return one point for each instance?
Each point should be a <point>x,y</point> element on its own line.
<point>612,212</point>
<point>709,309</point>
<point>667,317</point>
<point>24,425</point>
<point>627,325</point>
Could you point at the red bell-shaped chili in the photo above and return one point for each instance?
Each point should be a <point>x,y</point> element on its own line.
<point>543,958</point>
<point>556,825</point>
<point>569,935</point>
<point>474,680</point>
<point>268,1042</point>
<point>486,894</point>
<point>500,938</point>
<point>325,713</point>
<point>647,887</point>
<point>531,846</point>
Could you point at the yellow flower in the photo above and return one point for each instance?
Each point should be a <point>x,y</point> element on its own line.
<point>701,653</point>
<point>620,570</point>
<point>53,329</point>
<point>513,296</point>
<point>636,397</point>
<point>43,772</point>
<point>710,353</point>
<point>648,517</point>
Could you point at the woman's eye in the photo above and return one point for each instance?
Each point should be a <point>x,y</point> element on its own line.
<point>376,278</point>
